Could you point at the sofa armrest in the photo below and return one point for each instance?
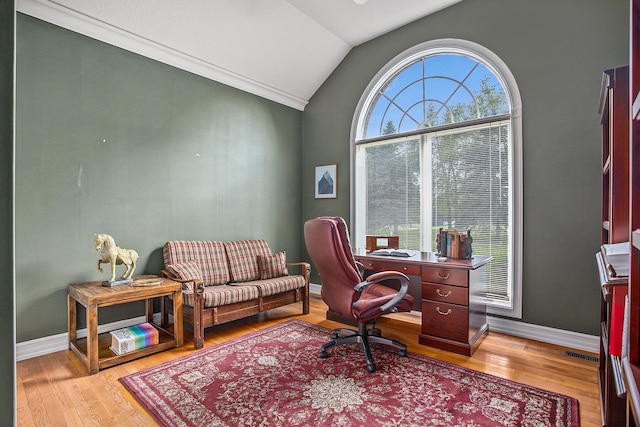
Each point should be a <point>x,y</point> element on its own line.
<point>198,305</point>
<point>305,268</point>
<point>197,287</point>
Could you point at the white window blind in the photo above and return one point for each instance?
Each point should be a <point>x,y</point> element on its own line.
<point>470,192</point>
<point>393,190</point>
<point>465,174</point>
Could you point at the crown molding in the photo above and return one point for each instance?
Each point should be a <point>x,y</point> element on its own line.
<point>90,27</point>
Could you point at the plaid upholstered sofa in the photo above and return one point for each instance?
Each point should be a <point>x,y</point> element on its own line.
<point>225,281</point>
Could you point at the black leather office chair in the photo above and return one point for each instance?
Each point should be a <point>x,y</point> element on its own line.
<point>345,292</point>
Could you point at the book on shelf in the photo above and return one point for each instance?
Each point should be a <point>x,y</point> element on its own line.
<point>616,258</point>
<point>624,351</point>
<point>133,338</point>
<point>616,325</point>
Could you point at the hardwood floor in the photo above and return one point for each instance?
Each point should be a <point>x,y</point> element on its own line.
<point>55,390</point>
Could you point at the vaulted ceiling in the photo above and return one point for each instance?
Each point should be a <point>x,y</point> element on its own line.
<point>282,50</point>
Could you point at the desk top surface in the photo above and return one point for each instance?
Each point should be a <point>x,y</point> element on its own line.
<point>425,258</point>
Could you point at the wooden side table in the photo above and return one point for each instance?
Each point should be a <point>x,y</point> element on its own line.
<point>94,350</point>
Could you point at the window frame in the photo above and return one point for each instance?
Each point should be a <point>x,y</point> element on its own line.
<point>500,69</point>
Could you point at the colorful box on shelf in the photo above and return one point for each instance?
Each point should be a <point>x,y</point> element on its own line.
<point>133,338</point>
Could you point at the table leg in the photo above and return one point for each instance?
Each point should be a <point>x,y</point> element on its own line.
<point>71,319</point>
<point>148,304</point>
<point>92,338</point>
<point>177,318</point>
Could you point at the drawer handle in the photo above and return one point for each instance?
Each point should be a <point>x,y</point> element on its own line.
<point>442,313</point>
<point>443,277</point>
<point>404,268</point>
<point>441,294</point>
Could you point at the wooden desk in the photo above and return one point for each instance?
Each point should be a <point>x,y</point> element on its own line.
<point>94,350</point>
<point>450,296</point>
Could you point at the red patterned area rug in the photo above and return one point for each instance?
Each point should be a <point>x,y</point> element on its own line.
<point>275,377</point>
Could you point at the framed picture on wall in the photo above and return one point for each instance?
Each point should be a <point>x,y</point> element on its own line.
<point>326,181</point>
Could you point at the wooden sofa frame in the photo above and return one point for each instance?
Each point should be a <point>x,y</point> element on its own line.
<point>199,317</point>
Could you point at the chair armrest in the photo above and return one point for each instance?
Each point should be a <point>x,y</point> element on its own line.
<point>198,284</point>
<point>361,268</point>
<point>381,277</point>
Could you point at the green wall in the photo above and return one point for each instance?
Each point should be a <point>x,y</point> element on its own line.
<point>111,142</point>
<point>557,52</point>
<point>7,357</point>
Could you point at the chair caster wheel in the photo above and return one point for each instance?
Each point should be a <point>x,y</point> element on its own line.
<point>403,353</point>
<point>371,367</point>
<point>323,354</point>
<point>334,336</point>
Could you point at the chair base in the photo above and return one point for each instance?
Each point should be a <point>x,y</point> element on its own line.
<point>364,336</point>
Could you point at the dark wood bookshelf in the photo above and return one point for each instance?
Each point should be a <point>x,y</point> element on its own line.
<point>614,110</point>
<point>631,360</point>
<point>614,117</point>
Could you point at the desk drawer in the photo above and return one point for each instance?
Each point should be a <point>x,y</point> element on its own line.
<point>445,293</point>
<point>444,320</point>
<point>392,266</point>
<point>447,276</point>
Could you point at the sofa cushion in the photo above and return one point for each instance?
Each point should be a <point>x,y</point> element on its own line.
<point>242,256</point>
<point>217,296</point>
<point>189,270</point>
<point>210,256</point>
<point>280,284</point>
<point>270,266</point>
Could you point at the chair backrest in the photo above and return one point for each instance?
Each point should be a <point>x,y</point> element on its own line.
<point>329,247</point>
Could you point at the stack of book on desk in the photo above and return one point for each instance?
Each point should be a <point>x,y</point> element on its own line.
<point>454,244</point>
<point>133,338</point>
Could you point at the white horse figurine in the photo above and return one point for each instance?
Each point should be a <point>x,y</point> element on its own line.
<point>114,255</point>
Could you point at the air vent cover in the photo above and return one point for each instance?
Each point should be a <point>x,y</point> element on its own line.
<point>587,357</point>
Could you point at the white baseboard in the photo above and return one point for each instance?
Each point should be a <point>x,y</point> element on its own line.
<point>575,340</point>
<point>41,346</point>
<point>314,288</point>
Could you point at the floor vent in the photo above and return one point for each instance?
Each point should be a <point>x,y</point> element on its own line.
<point>587,357</point>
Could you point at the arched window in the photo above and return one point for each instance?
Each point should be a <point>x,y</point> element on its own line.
<point>436,143</point>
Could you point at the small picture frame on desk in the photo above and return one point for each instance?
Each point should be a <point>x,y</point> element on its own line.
<point>373,243</point>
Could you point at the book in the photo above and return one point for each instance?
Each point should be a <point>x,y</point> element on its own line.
<point>133,338</point>
<point>392,252</point>
<point>616,258</point>
<point>453,244</point>
<point>624,352</point>
<point>616,324</point>
<point>147,282</point>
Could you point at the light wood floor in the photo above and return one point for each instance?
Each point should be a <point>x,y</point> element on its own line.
<point>55,390</point>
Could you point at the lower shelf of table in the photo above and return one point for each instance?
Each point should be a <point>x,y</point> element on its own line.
<point>107,358</point>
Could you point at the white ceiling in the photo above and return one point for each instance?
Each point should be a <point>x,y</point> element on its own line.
<point>279,49</point>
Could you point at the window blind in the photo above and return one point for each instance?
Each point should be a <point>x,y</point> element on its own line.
<point>468,187</point>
